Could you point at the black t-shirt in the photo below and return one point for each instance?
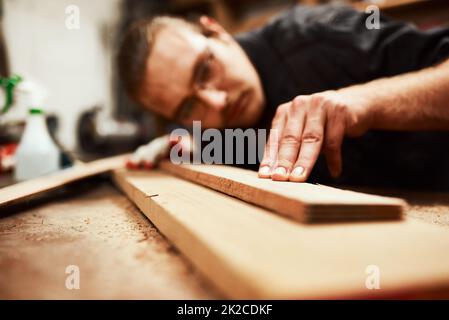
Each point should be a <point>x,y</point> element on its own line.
<point>313,49</point>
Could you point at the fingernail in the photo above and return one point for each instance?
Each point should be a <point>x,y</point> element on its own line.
<point>297,172</point>
<point>280,171</point>
<point>264,171</point>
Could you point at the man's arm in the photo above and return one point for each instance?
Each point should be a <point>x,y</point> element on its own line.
<point>307,125</point>
<point>413,101</point>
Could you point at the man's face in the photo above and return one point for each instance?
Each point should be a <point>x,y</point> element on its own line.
<point>193,77</point>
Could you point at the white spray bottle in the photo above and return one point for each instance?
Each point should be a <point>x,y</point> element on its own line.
<point>37,153</point>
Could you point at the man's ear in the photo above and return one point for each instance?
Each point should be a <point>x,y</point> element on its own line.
<point>211,28</point>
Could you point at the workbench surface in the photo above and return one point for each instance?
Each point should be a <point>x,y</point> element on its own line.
<point>120,254</point>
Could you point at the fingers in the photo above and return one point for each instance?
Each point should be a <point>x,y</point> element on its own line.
<point>300,131</point>
<point>290,141</point>
<point>271,148</point>
<point>334,134</point>
<point>311,140</point>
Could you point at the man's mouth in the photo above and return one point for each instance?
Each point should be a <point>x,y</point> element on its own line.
<point>236,108</point>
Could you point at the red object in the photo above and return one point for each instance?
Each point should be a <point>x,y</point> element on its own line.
<point>130,165</point>
<point>7,153</point>
<point>148,165</point>
<point>144,165</point>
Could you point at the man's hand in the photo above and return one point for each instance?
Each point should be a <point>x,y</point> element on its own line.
<point>148,155</point>
<point>307,125</point>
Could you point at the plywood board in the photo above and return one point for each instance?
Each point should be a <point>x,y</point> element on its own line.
<point>34,187</point>
<point>301,201</point>
<point>119,253</point>
<point>249,252</point>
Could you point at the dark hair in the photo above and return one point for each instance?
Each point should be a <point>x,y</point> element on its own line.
<point>136,47</point>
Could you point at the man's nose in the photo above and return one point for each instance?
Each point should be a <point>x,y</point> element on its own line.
<point>214,98</point>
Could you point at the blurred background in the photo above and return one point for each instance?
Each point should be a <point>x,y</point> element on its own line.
<point>68,68</point>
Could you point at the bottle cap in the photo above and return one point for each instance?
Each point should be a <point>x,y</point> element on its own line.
<point>36,111</point>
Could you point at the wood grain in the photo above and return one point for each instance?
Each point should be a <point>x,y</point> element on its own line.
<point>31,188</point>
<point>304,202</point>
<point>248,252</point>
<point>120,254</point>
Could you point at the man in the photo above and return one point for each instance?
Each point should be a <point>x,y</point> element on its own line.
<point>316,75</point>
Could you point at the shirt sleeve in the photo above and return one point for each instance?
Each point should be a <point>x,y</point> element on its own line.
<point>395,47</point>
<point>335,41</point>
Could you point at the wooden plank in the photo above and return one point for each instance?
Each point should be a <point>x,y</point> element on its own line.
<point>31,188</point>
<point>248,252</point>
<point>120,254</point>
<point>304,202</point>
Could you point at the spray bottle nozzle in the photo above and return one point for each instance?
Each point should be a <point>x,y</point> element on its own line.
<point>9,85</point>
